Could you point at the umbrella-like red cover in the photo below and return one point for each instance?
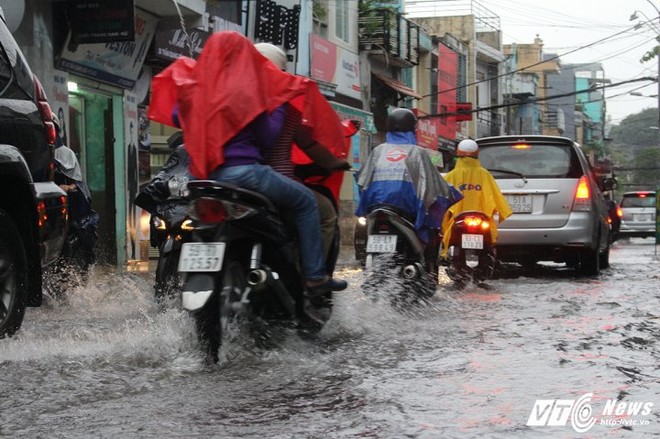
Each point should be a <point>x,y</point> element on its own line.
<point>231,84</point>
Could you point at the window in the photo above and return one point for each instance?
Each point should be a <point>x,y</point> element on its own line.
<point>645,200</point>
<point>536,160</point>
<point>461,79</point>
<point>344,22</point>
<point>341,21</point>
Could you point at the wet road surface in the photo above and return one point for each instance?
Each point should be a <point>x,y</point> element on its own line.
<point>472,364</point>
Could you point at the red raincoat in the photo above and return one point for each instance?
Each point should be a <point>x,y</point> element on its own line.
<point>227,88</point>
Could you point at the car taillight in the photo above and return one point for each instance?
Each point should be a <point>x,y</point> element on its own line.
<point>45,111</point>
<point>209,210</point>
<point>619,212</point>
<point>582,201</point>
<point>42,215</point>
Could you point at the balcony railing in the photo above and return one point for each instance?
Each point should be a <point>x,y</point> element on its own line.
<point>389,31</point>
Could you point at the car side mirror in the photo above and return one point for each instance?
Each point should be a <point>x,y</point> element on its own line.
<point>608,184</point>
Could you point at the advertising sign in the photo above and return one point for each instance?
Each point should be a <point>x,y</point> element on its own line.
<point>173,43</point>
<point>447,68</point>
<point>116,63</point>
<point>101,22</point>
<point>132,174</point>
<point>331,63</point>
<point>58,98</point>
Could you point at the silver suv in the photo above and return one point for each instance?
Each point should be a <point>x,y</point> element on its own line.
<point>560,213</point>
<point>638,214</point>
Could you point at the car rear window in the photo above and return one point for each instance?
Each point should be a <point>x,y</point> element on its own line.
<point>638,201</point>
<point>531,160</point>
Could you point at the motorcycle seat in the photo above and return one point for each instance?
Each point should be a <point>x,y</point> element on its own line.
<point>392,209</point>
<point>228,191</point>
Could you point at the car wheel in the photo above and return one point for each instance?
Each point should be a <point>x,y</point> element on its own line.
<point>605,257</point>
<point>590,261</point>
<point>13,277</point>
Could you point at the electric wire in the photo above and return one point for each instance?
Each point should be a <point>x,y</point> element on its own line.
<point>522,69</point>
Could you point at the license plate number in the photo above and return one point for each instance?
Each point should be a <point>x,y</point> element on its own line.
<point>520,203</point>
<point>472,241</point>
<point>641,217</point>
<point>381,244</point>
<point>197,256</point>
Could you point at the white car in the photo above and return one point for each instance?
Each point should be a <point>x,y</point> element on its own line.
<point>638,218</point>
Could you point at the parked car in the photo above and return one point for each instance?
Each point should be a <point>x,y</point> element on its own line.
<point>33,209</point>
<point>638,219</point>
<point>559,209</point>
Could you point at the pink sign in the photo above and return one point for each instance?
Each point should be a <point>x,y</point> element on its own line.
<point>336,65</point>
<point>324,59</point>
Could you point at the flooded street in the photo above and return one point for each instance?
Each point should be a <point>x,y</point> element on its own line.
<point>106,363</point>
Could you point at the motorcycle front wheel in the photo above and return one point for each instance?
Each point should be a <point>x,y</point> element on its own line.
<point>168,280</point>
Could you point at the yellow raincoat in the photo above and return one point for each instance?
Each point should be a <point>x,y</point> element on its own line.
<point>480,193</point>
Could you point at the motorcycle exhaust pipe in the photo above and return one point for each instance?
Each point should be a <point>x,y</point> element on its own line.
<point>412,271</point>
<point>257,277</point>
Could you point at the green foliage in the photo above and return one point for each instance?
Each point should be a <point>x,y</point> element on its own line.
<point>647,168</point>
<point>598,147</point>
<point>320,10</point>
<point>635,151</point>
<point>634,131</point>
<point>367,6</point>
<point>648,56</point>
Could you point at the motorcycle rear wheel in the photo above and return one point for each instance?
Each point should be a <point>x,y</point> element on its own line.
<point>214,318</point>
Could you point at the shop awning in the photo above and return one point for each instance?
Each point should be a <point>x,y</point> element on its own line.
<point>398,86</point>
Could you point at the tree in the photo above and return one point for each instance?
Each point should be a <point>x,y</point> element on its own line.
<point>646,173</point>
<point>635,151</point>
<point>634,131</point>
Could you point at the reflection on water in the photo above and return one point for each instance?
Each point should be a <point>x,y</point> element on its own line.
<point>105,362</point>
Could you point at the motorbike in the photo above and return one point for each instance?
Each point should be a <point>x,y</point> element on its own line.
<point>170,227</point>
<point>165,198</point>
<point>392,246</point>
<point>242,266</point>
<point>471,251</point>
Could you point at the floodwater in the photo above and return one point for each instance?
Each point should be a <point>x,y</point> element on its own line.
<point>106,363</point>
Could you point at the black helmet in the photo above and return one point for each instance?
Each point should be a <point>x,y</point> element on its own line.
<point>401,119</point>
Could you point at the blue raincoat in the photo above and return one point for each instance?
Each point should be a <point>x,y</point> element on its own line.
<point>401,174</point>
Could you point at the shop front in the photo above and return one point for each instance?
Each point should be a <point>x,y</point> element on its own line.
<point>103,84</point>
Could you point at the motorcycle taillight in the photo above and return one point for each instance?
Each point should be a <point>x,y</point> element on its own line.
<point>476,223</point>
<point>209,210</point>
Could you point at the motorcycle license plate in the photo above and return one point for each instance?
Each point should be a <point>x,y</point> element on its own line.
<point>381,244</point>
<point>472,241</point>
<point>201,256</point>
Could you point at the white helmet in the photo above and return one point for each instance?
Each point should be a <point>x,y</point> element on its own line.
<point>273,53</point>
<point>467,148</point>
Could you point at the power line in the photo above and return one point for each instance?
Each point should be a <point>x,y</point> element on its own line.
<point>555,57</point>
<point>542,99</point>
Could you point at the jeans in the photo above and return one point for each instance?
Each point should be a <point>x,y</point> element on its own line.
<point>289,195</point>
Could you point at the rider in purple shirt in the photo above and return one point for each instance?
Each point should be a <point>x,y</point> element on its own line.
<point>243,156</point>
